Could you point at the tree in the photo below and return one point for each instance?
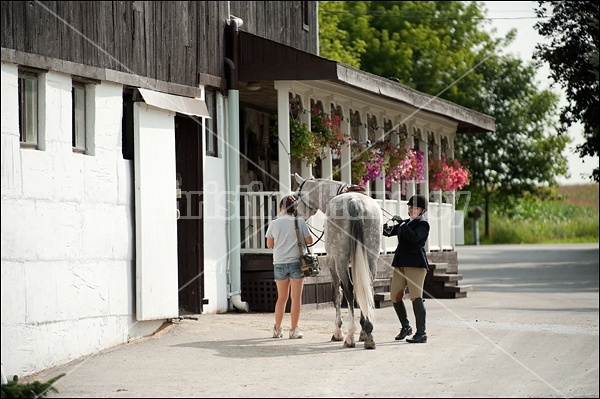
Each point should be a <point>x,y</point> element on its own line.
<point>515,159</point>
<point>337,41</point>
<point>442,48</point>
<point>572,56</point>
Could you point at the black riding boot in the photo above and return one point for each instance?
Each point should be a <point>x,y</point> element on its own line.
<point>406,329</point>
<point>419,309</point>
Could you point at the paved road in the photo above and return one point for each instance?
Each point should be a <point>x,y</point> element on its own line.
<point>529,329</point>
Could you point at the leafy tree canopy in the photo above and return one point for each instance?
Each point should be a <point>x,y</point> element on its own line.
<point>572,27</point>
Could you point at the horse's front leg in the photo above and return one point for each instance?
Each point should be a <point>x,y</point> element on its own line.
<point>338,334</point>
<point>366,332</point>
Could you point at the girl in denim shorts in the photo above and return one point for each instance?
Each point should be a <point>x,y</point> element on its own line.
<point>281,236</point>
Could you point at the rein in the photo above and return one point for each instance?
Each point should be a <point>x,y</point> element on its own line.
<point>392,215</point>
<point>318,239</point>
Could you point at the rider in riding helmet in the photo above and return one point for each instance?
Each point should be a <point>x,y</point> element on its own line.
<point>410,266</point>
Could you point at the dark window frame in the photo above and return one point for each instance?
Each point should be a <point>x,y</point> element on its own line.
<point>25,97</point>
<point>77,147</point>
<point>211,135</point>
<point>127,145</point>
<point>305,16</point>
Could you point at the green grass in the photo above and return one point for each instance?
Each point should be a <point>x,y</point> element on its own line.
<point>533,221</point>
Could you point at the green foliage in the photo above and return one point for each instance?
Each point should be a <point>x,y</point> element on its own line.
<point>337,40</point>
<point>533,221</point>
<point>572,27</point>
<point>303,143</point>
<point>544,212</point>
<point>505,232</point>
<point>36,389</point>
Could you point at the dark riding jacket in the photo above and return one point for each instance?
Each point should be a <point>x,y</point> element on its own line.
<point>412,235</point>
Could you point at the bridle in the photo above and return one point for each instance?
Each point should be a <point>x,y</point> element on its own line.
<point>302,200</point>
<point>341,190</point>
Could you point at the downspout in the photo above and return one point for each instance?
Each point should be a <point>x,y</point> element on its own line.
<point>234,272</point>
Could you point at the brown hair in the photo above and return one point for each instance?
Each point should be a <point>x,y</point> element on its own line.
<point>289,204</point>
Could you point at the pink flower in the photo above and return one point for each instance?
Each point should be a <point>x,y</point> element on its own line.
<point>447,175</point>
<point>408,165</point>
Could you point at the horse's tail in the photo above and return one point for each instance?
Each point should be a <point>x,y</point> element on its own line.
<point>361,273</point>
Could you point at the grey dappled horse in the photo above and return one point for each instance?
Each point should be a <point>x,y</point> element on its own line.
<point>353,232</point>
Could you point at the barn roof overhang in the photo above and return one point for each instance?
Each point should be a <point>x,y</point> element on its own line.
<point>265,61</point>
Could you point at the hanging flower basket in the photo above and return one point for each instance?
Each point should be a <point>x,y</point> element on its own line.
<point>327,131</point>
<point>447,174</point>
<point>304,144</point>
<point>396,162</point>
<point>308,144</point>
<point>403,164</point>
<point>367,163</point>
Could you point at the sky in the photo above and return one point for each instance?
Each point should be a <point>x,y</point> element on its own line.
<point>520,15</point>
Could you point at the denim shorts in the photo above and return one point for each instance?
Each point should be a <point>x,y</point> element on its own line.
<point>283,271</point>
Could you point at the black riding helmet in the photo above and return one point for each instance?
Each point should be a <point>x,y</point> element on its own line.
<point>419,201</point>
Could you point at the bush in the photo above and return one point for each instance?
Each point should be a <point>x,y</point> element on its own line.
<point>36,389</point>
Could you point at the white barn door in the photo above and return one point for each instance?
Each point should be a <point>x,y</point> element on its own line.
<point>155,213</point>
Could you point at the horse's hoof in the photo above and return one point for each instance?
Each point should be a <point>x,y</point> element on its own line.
<point>336,339</point>
<point>370,345</point>
<point>362,337</point>
<point>349,344</point>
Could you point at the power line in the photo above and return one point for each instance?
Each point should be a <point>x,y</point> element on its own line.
<point>421,17</point>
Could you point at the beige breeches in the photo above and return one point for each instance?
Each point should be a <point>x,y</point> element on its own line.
<point>411,277</point>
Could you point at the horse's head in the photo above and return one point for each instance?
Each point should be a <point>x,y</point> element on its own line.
<point>314,194</point>
<point>305,205</point>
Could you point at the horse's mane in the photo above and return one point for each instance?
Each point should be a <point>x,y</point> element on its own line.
<point>341,183</point>
<point>331,181</point>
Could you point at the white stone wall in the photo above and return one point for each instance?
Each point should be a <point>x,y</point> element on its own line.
<point>67,262</point>
<point>215,238</point>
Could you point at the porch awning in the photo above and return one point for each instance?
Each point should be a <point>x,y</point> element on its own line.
<point>183,105</point>
<point>262,60</point>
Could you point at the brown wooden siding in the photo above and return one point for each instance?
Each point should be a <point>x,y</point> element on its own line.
<point>280,21</point>
<point>169,41</point>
